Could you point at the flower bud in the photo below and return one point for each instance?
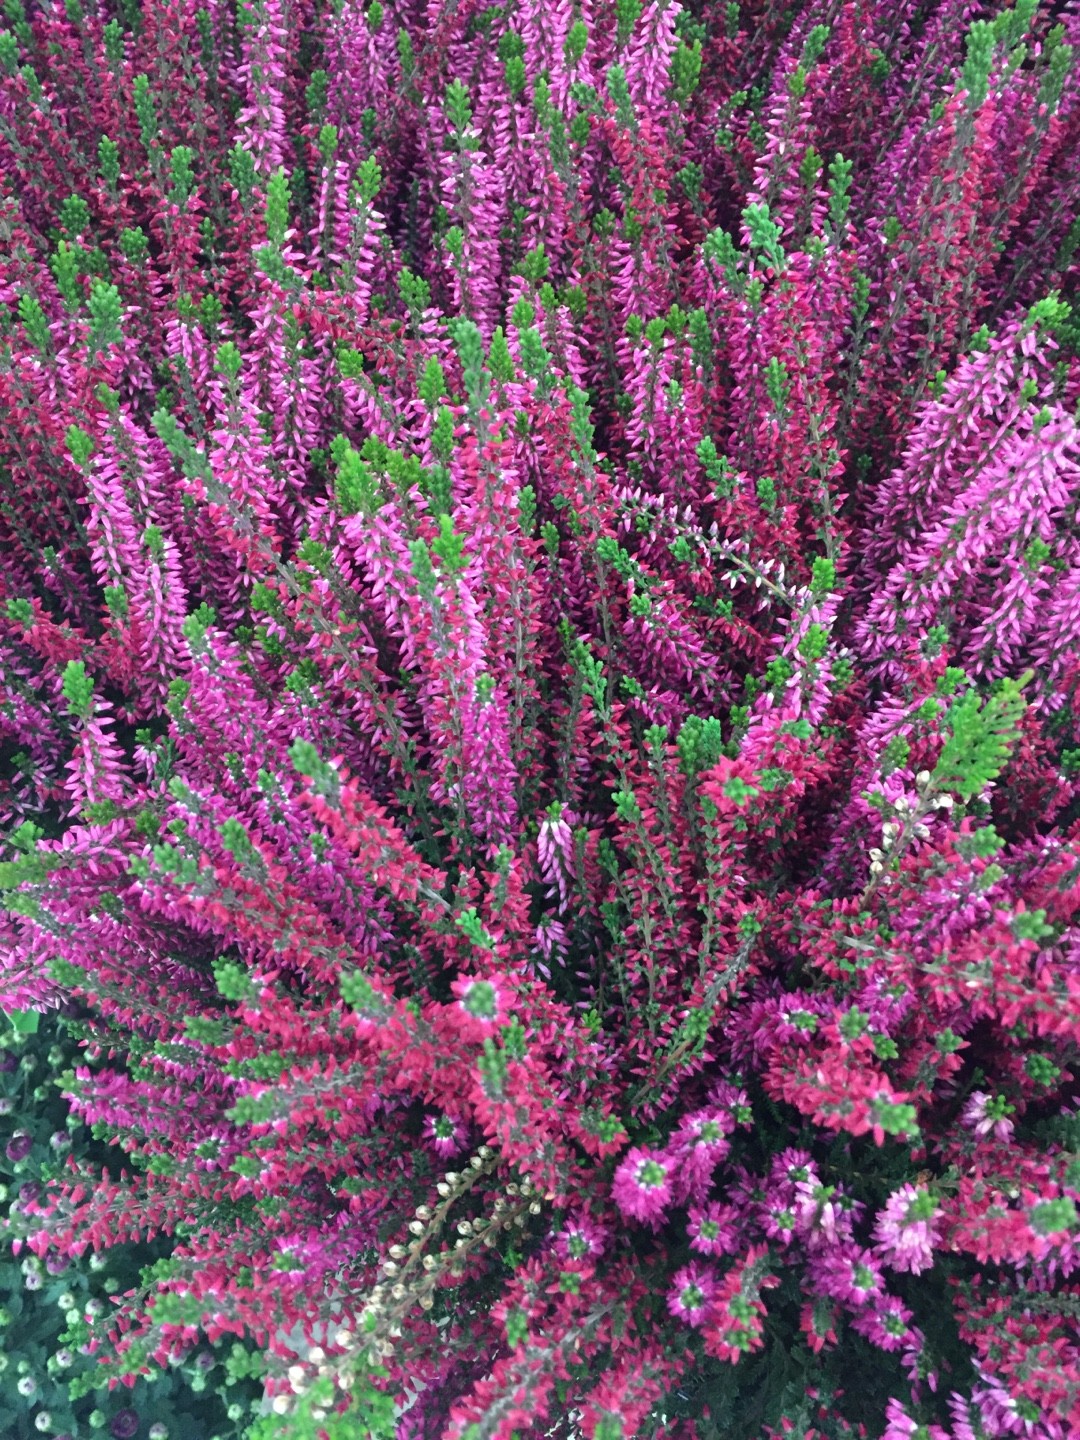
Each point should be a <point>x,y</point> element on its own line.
<point>476,1162</point>
<point>398,1292</point>
<point>443,1188</point>
<point>426,1302</point>
<point>464,1227</point>
<point>316,1354</point>
<point>397,1252</point>
<point>485,1152</point>
<point>390,1268</point>
<point>535,1208</point>
<point>423,1212</point>
<point>451,1177</point>
<point>416,1227</point>
<point>922,779</point>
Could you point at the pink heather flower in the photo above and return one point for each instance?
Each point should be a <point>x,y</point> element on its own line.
<point>778,1221</point>
<point>581,1238</point>
<point>792,1166</point>
<point>555,851</point>
<point>642,1185</point>
<point>485,1000</point>
<point>697,1147</point>
<point>734,1100</point>
<point>900,1426</point>
<point>904,1230</point>
<point>820,1217</point>
<point>690,1294</point>
<point>847,1273</point>
<point>886,1324</point>
<point>447,1135</point>
<point>713,1229</point>
<point>987,1115</point>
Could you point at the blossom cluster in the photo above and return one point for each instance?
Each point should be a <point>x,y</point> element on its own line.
<point>539,718</point>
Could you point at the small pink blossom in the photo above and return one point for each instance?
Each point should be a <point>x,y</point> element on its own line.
<point>988,1115</point>
<point>642,1185</point>
<point>690,1294</point>
<point>713,1229</point>
<point>446,1134</point>
<point>905,1230</point>
<point>581,1238</point>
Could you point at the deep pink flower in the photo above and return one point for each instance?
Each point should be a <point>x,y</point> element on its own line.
<point>642,1186</point>
<point>988,1115</point>
<point>691,1291</point>
<point>581,1238</point>
<point>446,1134</point>
<point>905,1230</point>
<point>713,1229</point>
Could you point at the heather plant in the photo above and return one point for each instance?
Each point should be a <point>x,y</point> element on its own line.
<point>540,741</point>
<point>52,1382</point>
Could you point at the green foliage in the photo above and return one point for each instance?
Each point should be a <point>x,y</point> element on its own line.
<point>764,235</point>
<point>106,310</point>
<point>277,207</point>
<point>78,688</point>
<point>981,736</point>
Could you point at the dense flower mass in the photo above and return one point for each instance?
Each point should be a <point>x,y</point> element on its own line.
<point>540,634</point>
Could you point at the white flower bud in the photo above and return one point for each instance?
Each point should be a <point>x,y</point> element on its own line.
<point>43,1420</point>
<point>945,802</point>
<point>397,1252</point>
<point>876,854</point>
<point>423,1213</point>
<point>280,1405</point>
<point>398,1292</point>
<point>535,1208</point>
<point>443,1188</point>
<point>295,1375</point>
<point>485,1152</point>
<point>426,1302</point>
<point>511,1189</point>
<point>476,1162</point>
<point>922,831</point>
<point>390,1268</point>
<point>464,1227</point>
<point>876,867</point>
<point>922,779</point>
<point>416,1227</point>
